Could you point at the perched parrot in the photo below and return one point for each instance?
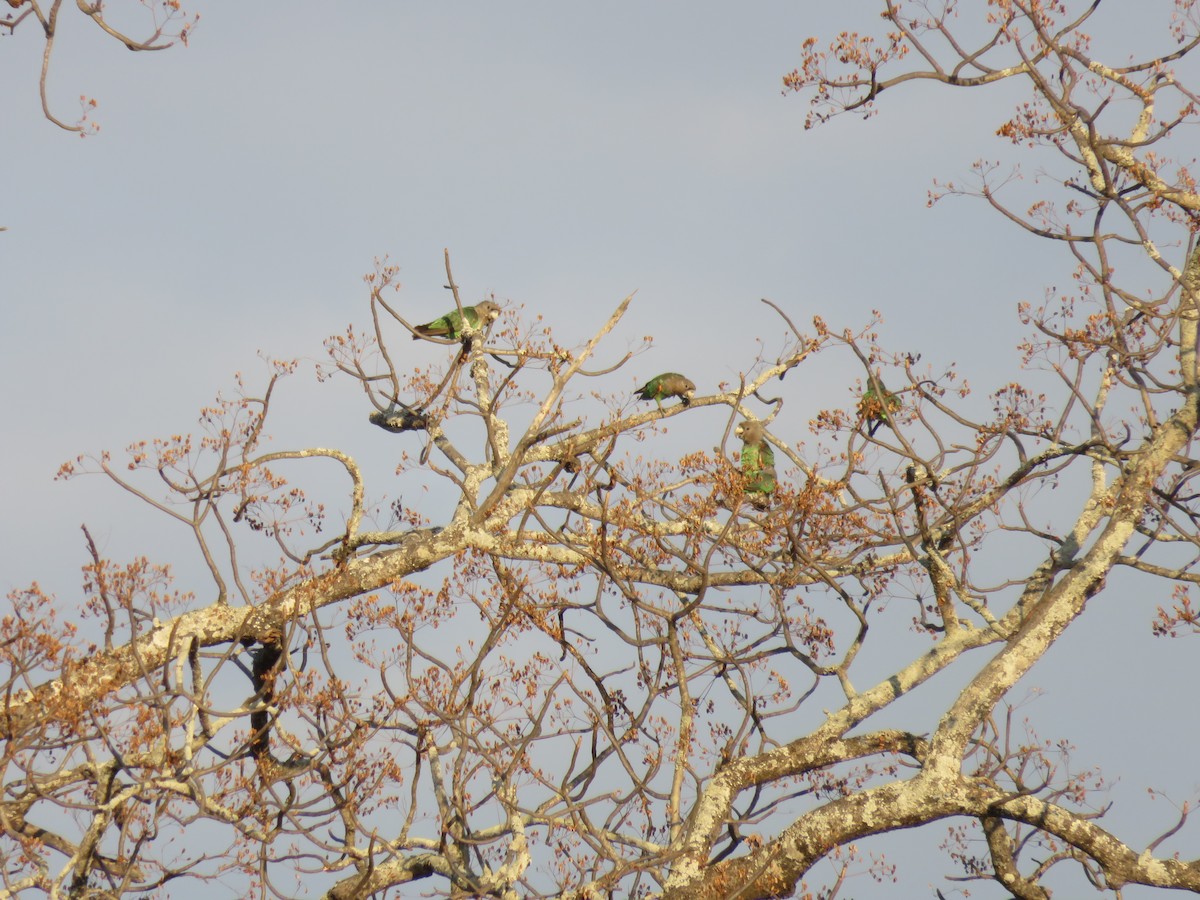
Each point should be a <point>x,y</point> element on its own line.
<point>668,384</point>
<point>877,411</point>
<point>758,464</point>
<point>399,419</point>
<point>451,325</point>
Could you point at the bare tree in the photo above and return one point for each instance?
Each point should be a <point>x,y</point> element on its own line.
<point>169,23</point>
<point>581,667</point>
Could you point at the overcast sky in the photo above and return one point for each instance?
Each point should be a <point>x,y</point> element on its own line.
<point>566,155</point>
<point>240,188</point>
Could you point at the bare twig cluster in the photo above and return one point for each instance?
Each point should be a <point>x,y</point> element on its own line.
<point>585,666</point>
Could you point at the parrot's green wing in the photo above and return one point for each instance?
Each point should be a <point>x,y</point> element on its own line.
<point>451,326</point>
<point>441,327</point>
<point>758,468</point>
<point>871,406</point>
<point>651,390</point>
<point>767,454</point>
<point>758,463</point>
<point>751,459</point>
<point>876,408</point>
<point>761,482</point>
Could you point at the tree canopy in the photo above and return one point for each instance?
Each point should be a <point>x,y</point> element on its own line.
<point>573,662</point>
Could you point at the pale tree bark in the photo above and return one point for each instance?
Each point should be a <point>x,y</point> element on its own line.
<point>578,665</point>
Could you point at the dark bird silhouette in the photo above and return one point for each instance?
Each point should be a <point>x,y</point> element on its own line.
<point>399,419</point>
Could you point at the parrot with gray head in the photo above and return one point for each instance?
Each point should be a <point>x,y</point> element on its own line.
<point>668,384</point>
<point>758,463</point>
<point>451,325</point>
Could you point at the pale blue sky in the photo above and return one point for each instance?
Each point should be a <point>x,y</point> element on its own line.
<point>566,156</point>
<point>241,187</point>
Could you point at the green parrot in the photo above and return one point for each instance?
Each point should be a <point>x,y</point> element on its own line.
<point>877,411</point>
<point>668,384</point>
<point>451,324</point>
<point>758,463</point>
